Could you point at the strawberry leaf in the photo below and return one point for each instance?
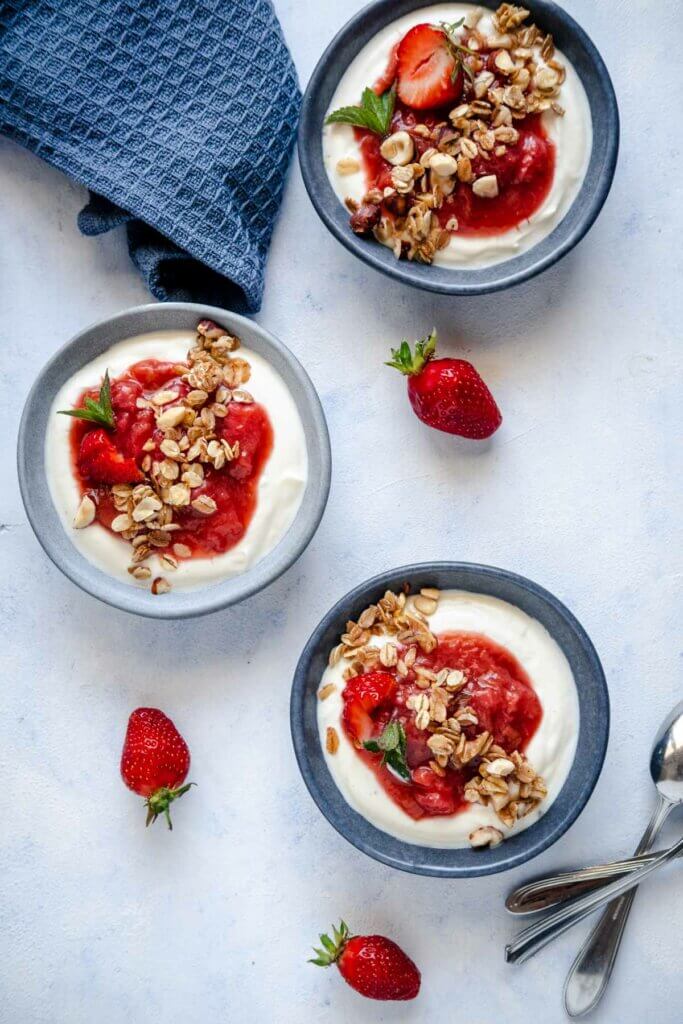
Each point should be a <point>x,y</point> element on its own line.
<point>403,360</point>
<point>100,412</point>
<point>374,113</point>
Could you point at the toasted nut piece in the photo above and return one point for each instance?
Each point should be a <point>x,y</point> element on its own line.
<point>85,513</point>
<point>546,79</point>
<point>170,448</point>
<point>425,605</point>
<point>486,187</point>
<point>205,505</point>
<point>331,740</point>
<point>171,417</point>
<point>501,767</point>
<point>120,524</point>
<point>145,509</point>
<point>140,572</point>
<point>326,691</point>
<point>486,835</point>
<point>160,585</point>
<point>443,165</point>
<point>504,62</point>
<point>388,655</point>
<point>178,495</point>
<point>398,149</point>
<point>482,83</point>
<point>347,165</point>
<point>402,179</point>
<point>168,561</point>
<point>182,550</point>
<point>455,680</point>
<point>164,397</point>
<point>468,148</point>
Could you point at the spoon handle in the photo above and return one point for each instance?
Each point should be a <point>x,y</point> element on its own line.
<point>590,973</point>
<point>538,935</point>
<point>545,893</point>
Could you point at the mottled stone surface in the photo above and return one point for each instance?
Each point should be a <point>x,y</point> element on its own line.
<point>580,490</point>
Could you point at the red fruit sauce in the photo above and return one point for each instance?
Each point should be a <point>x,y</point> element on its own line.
<point>233,487</point>
<point>499,691</point>
<point>525,171</point>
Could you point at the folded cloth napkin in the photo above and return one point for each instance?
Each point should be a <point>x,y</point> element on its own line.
<point>178,115</point>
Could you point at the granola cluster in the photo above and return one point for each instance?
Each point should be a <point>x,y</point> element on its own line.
<point>176,465</point>
<point>502,780</point>
<point>527,80</point>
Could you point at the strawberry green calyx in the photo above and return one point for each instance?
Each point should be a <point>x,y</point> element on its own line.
<point>410,364</point>
<point>332,947</point>
<point>160,801</point>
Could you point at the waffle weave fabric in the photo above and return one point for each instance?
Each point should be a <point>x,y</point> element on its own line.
<point>179,116</point>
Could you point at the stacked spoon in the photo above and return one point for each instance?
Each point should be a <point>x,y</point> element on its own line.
<point>577,894</point>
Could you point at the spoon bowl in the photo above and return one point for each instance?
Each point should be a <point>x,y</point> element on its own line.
<point>666,763</point>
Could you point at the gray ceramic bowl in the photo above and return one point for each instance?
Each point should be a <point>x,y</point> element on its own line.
<point>593,729</point>
<point>44,517</point>
<point>573,41</point>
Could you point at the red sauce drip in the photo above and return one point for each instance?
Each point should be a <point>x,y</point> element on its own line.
<point>234,487</point>
<point>499,691</point>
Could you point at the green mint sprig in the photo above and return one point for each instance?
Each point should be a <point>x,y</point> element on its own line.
<point>100,412</point>
<point>392,745</point>
<point>374,113</point>
<point>458,51</point>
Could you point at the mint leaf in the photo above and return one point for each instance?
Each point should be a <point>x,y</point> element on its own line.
<point>100,412</point>
<point>457,49</point>
<point>374,113</point>
<point>392,745</point>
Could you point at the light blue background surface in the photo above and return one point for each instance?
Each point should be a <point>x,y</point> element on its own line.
<point>580,490</point>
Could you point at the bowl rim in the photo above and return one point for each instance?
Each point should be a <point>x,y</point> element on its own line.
<point>311,762</point>
<point>46,522</point>
<point>445,281</point>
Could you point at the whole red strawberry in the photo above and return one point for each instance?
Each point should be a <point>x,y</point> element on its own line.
<point>155,761</point>
<point>373,965</point>
<point>447,394</point>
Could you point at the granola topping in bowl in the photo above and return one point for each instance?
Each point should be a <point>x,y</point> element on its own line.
<point>166,470</point>
<point>448,719</point>
<point>471,139</point>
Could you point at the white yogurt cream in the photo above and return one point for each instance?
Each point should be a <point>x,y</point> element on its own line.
<point>571,133</point>
<point>280,489</point>
<point>550,751</point>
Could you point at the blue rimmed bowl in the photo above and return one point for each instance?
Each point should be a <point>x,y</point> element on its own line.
<point>575,44</point>
<point>45,519</point>
<point>591,744</point>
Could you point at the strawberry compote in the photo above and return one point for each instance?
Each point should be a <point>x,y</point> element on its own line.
<point>524,172</point>
<point>101,459</point>
<point>496,689</point>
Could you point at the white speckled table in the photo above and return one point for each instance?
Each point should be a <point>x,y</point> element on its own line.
<point>580,490</point>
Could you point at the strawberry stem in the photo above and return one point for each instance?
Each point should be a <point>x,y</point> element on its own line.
<point>160,801</point>
<point>403,359</point>
<point>332,947</point>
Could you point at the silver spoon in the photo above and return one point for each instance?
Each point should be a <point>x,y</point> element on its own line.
<point>591,971</point>
<point>666,766</point>
<point>553,890</point>
<point>530,940</point>
<point>534,938</point>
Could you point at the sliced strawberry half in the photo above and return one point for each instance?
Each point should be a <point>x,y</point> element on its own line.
<point>363,695</point>
<point>428,74</point>
<point>100,461</point>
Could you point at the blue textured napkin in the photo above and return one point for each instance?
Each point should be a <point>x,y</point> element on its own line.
<point>178,115</point>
